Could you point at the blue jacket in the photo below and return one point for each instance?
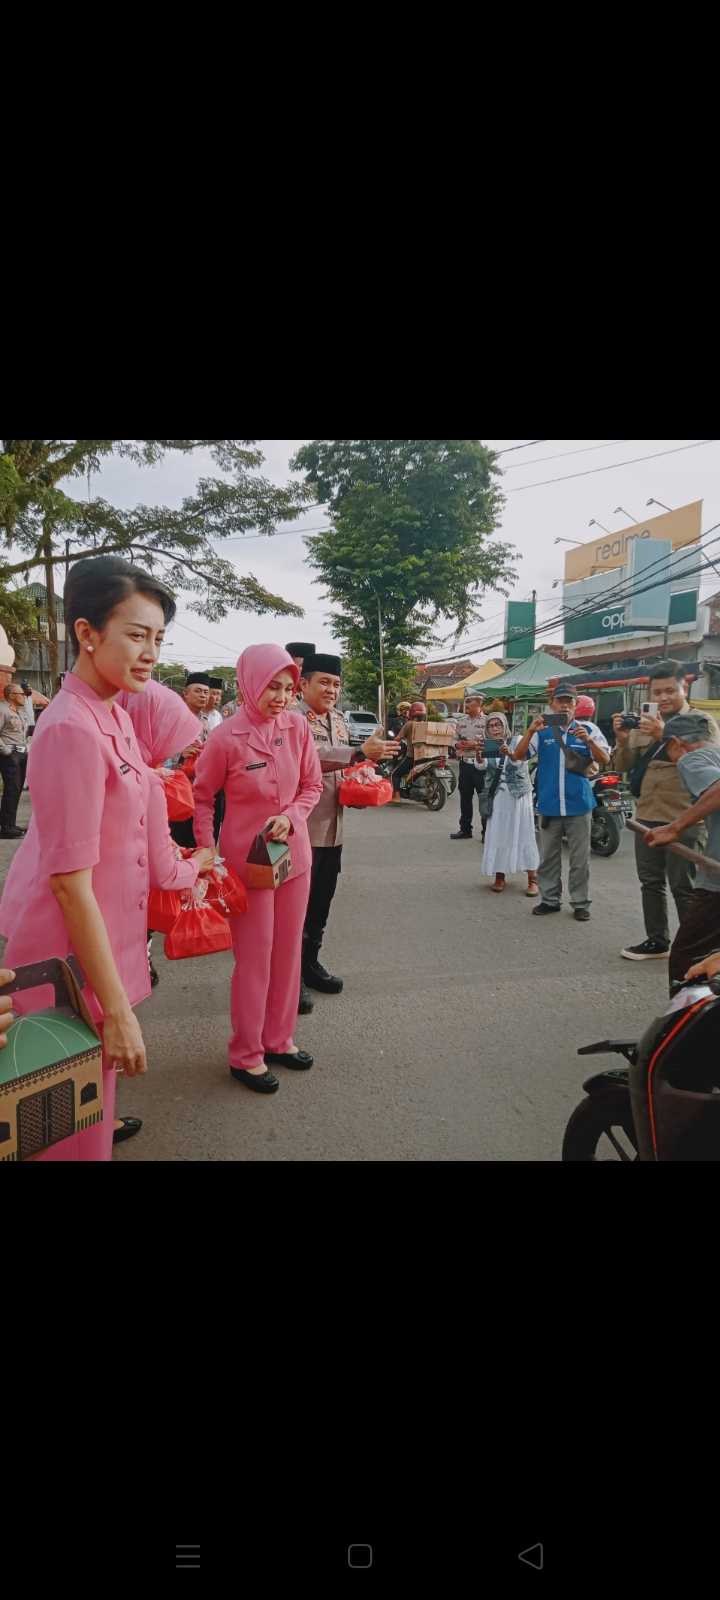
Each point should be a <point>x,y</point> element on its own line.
<point>562,793</point>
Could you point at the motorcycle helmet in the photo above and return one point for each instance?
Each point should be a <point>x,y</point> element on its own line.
<point>404,706</point>
<point>418,709</point>
<point>585,709</point>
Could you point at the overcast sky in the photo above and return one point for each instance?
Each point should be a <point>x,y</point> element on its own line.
<point>533,518</point>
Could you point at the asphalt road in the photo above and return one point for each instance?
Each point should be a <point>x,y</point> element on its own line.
<point>455,1038</point>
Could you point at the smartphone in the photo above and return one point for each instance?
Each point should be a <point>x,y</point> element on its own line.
<point>650,709</point>
<point>557,719</point>
<point>491,749</point>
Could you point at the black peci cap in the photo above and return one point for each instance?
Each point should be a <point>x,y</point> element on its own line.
<point>314,663</point>
<point>203,679</point>
<point>300,650</point>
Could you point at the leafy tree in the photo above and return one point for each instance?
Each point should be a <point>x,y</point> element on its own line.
<point>42,519</point>
<point>18,615</point>
<point>410,541</point>
<point>361,676</point>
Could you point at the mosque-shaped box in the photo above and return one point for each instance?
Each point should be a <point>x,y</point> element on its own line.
<point>51,1068</point>
<point>269,863</point>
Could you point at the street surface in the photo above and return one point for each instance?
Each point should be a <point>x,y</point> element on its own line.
<point>455,1038</point>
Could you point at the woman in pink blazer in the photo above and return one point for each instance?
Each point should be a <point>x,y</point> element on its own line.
<point>80,880</point>
<point>266,761</point>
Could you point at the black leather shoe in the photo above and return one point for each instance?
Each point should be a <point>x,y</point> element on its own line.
<point>544,910</point>
<point>301,1062</point>
<point>306,1005</point>
<point>130,1126</point>
<point>582,914</point>
<point>461,835</point>
<point>13,833</point>
<point>266,1084</point>
<point>316,977</point>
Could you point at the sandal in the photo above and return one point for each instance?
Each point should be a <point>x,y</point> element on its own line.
<point>500,884</point>
<point>533,888</point>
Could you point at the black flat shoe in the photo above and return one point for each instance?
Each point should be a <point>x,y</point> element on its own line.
<point>301,1062</point>
<point>130,1126</point>
<point>307,1005</point>
<point>545,911</point>
<point>317,977</point>
<point>252,1080</point>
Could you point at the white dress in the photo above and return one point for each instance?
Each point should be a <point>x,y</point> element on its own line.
<point>511,842</point>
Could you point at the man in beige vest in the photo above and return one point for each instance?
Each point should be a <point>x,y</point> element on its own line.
<point>321,686</point>
<point>662,799</point>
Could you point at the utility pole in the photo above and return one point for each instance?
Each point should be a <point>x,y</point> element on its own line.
<point>53,654</point>
<point>383,703</point>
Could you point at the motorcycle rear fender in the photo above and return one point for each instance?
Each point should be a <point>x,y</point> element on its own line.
<point>614,1078</point>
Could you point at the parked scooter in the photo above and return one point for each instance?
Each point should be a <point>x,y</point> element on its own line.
<point>612,812</point>
<point>429,782</point>
<point>665,1105</point>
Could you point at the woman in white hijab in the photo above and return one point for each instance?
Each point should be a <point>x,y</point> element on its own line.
<point>510,842</point>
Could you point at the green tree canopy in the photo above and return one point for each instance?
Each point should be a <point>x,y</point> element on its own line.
<point>411,532</point>
<point>43,520</point>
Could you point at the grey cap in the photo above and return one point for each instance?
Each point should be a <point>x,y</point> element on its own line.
<point>692,728</point>
<point>564,691</point>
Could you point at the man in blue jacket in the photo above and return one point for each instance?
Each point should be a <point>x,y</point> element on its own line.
<point>565,799</point>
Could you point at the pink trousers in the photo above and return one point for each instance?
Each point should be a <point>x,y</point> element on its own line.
<point>267,942</point>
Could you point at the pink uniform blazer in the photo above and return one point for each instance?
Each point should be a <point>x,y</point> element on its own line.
<point>95,805</point>
<point>262,778</point>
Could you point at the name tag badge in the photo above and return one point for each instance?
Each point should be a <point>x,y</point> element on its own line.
<point>257,766</point>
<point>279,741</point>
<point>124,770</point>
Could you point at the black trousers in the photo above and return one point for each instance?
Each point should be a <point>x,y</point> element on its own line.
<point>13,769</point>
<point>698,935</point>
<point>472,782</point>
<point>326,869</point>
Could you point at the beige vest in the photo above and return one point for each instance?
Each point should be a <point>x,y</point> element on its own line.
<point>332,739</point>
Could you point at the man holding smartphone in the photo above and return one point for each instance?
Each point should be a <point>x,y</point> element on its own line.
<point>641,751</point>
<point>566,750</point>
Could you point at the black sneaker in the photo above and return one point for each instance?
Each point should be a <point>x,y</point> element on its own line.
<point>461,835</point>
<point>582,914</point>
<point>651,950</point>
<point>544,910</point>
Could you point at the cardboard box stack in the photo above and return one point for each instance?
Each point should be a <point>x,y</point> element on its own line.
<point>431,739</point>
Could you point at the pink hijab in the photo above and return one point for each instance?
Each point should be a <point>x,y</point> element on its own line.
<point>163,723</point>
<point>257,667</point>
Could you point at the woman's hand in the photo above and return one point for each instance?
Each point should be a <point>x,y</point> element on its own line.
<point>124,1043</point>
<point>7,1015</point>
<point>206,857</point>
<point>278,828</point>
<point>192,750</point>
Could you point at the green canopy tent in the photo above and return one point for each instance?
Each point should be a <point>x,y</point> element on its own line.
<point>527,683</point>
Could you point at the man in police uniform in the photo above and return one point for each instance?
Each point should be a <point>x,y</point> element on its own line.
<point>470,738</point>
<point>197,696</point>
<point>321,686</point>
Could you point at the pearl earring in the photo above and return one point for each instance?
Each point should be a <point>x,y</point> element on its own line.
<point>90,648</point>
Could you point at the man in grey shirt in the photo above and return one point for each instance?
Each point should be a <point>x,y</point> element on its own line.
<point>13,758</point>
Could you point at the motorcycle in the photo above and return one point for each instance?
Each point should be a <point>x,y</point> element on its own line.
<point>612,810</point>
<point>430,782</point>
<point>665,1105</point>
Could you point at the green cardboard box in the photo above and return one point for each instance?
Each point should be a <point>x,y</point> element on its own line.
<point>51,1068</point>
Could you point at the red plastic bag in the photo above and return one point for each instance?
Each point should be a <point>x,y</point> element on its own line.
<point>179,796</point>
<point>361,787</point>
<point>226,892</point>
<point>164,907</point>
<point>200,931</point>
<point>188,768</point>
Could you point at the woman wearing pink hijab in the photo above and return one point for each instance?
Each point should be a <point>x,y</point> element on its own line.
<point>266,761</point>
